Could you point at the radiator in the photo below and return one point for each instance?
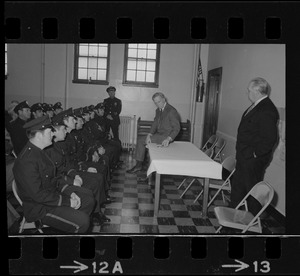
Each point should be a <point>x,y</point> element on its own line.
<point>127,131</point>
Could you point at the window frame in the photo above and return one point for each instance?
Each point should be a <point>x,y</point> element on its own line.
<point>6,61</point>
<point>76,60</point>
<point>154,84</point>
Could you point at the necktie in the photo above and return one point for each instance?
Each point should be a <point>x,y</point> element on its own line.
<point>249,109</point>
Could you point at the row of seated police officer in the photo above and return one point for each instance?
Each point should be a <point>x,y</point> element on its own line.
<point>50,193</point>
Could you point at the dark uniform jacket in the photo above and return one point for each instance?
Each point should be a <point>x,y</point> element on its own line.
<point>18,135</point>
<point>64,167</point>
<point>113,107</point>
<point>167,122</point>
<point>38,185</point>
<point>257,132</point>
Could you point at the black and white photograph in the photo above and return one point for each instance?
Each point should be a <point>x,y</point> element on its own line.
<point>149,137</point>
<point>145,138</point>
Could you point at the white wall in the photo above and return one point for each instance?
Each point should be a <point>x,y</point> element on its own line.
<point>27,82</point>
<point>240,64</point>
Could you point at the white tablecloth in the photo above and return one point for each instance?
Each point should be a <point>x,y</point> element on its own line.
<point>182,158</point>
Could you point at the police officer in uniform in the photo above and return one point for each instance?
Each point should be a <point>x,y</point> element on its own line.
<point>91,181</point>
<point>57,108</point>
<point>46,196</point>
<point>36,111</point>
<point>17,132</point>
<point>113,108</point>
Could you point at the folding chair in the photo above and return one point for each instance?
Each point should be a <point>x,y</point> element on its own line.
<point>218,148</point>
<point>209,152</point>
<point>243,219</point>
<point>221,185</point>
<point>24,224</point>
<point>210,143</point>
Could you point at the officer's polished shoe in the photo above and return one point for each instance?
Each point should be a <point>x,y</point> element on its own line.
<point>104,217</point>
<point>97,219</point>
<point>135,169</point>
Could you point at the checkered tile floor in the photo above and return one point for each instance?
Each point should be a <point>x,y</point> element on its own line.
<point>132,210</point>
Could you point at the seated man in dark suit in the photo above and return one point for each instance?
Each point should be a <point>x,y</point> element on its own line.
<point>164,129</point>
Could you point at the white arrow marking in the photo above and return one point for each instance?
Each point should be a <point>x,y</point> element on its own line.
<point>240,266</point>
<point>79,268</point>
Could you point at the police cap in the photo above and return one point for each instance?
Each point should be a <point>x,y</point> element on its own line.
<point>100,106</point>
<point>20,106</point>
<point>40,123</point>
<point>85,110</point>
<point>78,112</point>
<point>111,88</point>
<point>36,106</point>
<point>58,105</point>
<point>58,119</point>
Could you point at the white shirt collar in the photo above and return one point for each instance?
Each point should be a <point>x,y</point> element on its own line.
<point>164,106</point>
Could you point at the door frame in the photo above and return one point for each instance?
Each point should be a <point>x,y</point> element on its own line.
<point>216,104</point>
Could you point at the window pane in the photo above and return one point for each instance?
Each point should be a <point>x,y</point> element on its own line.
<point>141,65</point>
<point>92,62</point>
<point>101,74</point>
<point>142,53</point>
<point>132,53</point>
<point>131,64</point>
<point>92,74</point>
<point>151,54</point>
<point>82,74</point>
<point>150,76</point>
<point>102,63</point>
<point>140,76</point>
<point>93,51</point>
<point>151,65</point>
<point>82,62</point>
<point>130,75</point>
<point>83,50</point>
<point>132,45</point>
<point>103,51</point>
<point>143,46</point>
<point>151,46</point>
<point>5,69</point>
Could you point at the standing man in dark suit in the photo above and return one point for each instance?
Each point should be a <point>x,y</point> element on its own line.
<point>113,108</point>
<point>257,135</point>
<point>165,128</point>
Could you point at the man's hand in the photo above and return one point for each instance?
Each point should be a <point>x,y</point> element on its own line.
<point>92,170</point>
<point>109,117</point>
<point>101,150</point>
<point>165,143</point>
<point>77,181</point>
<point>75,201</point>
<point>148,139</point>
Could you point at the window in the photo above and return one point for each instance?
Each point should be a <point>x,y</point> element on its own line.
<point>5,60</point>
<point>141,65</point>
<point>91,63</point>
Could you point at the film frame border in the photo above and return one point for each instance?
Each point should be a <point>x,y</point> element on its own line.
<point>216,33</point>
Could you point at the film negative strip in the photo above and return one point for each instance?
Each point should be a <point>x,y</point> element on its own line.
<point>170,23</point>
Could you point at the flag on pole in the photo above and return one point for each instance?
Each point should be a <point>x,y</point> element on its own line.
<point>198,82</point>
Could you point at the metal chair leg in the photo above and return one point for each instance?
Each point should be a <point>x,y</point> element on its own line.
<point>187,188</point>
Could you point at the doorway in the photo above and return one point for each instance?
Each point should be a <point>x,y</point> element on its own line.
<point>211,112</point>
